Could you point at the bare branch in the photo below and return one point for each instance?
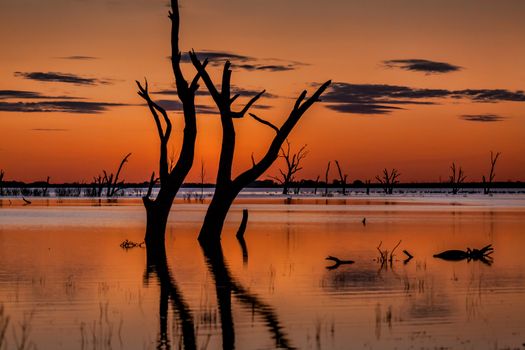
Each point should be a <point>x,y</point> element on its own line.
<point>248,105</point>
<point>265,122</point>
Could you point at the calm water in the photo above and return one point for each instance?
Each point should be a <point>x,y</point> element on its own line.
<point>66,284</point>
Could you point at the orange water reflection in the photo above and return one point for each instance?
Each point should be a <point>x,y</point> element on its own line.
<point>64,265</point>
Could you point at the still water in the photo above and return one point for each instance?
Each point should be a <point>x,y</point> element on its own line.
<point>65,283</point>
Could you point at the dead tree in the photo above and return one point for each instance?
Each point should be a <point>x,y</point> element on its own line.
<point>388,180</point>
<point>227,188</point>
<point>111,181</point>
<point>316,184</point>
<point>326,179</point>
<point>45,190</point>
<point>292,166</point>
<point>488,184</point>
<point>158,209</point>
<point>2,173</point>
<point>342,178</point>
<point>457,177</point>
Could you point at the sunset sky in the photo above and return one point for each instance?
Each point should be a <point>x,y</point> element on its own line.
<point>416,84</point>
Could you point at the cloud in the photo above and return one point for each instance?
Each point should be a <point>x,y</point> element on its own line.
<point>82,107</point>
<point>380,98</point>
<point>484,118</point>
<point>21,94</point>
<point>78,58</point>
<point>60,78</point>
<point>356,108</point>
<point>171,105</point>
<point>234,90</point>
<point>217,58</point>
<point>421,65</point>
<point>49,130</point>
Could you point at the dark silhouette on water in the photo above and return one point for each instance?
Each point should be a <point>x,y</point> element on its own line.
<point>482,254</point>
<point>342,178</point>
<point>457,177</point>
<point>487,182</point>
<point>171,179</point>
<point>157,266</point>
<point>226,286</point>
<point>388,180</point>
<point>227,188</point>
<point>337,262</point>
<point>292,165</point>
<point>240,236</point>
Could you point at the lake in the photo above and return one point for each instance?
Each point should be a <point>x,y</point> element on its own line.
<point>65,282</point>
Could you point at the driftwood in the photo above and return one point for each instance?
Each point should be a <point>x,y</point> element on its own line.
<point>337,262</point>
<point>409,256</point>
<point>127,244</point>
<point>482,254</point>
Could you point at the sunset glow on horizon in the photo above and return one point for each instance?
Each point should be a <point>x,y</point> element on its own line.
<point>416,85</point>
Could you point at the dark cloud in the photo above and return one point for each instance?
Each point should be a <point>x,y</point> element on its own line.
<point>49,130</point>
<point>420,65</point>
<point>81,107</point>
<point>357,108</point>
<point>484,118</point>
<point>379,98</point>
<point>171,105</point>
<point>78,58</point>
<point>217,58</point>
<point>60,78</point>
<point>20,94</point>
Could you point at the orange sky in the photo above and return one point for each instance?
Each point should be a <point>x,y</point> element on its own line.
<point>481,44</point>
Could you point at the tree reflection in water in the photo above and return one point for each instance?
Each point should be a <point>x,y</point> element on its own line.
<point>226,286</point>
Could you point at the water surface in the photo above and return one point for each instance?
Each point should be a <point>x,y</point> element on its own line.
<point>64,277</point>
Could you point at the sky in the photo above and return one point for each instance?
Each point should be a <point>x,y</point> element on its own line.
<point>417,85</point>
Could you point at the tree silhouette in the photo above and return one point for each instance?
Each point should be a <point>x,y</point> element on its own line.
<point>2,173</point>
<point>171,178</point>
<point>492,174</point>
<point>227,188</point>
<point>388,180</point>
<point>292,165</point>
<point>457,177</point>
<point>342,178</point>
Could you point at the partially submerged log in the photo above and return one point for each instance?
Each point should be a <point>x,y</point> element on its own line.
<point>337,262</point>
<point>482,254</point>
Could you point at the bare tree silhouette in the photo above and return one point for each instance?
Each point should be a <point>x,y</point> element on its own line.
<point>342,178</point>
<point>326,179</point>
<point>316,184</point>
<point>292,165</point>
<point>457,177</point>
<point>157,265</point>
<point>109,182</point>
<point>227,188</point>
<point>388,180</point>
<point>171,178</point>
<point>2,173</point>
<point>226,287</point>
<point>487,184</point>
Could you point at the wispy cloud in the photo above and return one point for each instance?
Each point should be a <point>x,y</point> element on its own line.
<point>21,94</point>
<point>242,92</point>
<point>483,118</point>
<point>421,65</point>
<point>171,105</point>
<point>217,58</point>
<point>60,78</point>
<point>383,99</point>
<point>81,107</point>
<point>78,58</point>
<point>49,130</point>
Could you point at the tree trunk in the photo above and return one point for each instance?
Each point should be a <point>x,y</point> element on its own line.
<point>215,216</point>
<point>157,213</point>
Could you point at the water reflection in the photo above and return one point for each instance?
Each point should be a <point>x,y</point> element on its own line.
<point>226,287</point>
<point>157,266</point>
